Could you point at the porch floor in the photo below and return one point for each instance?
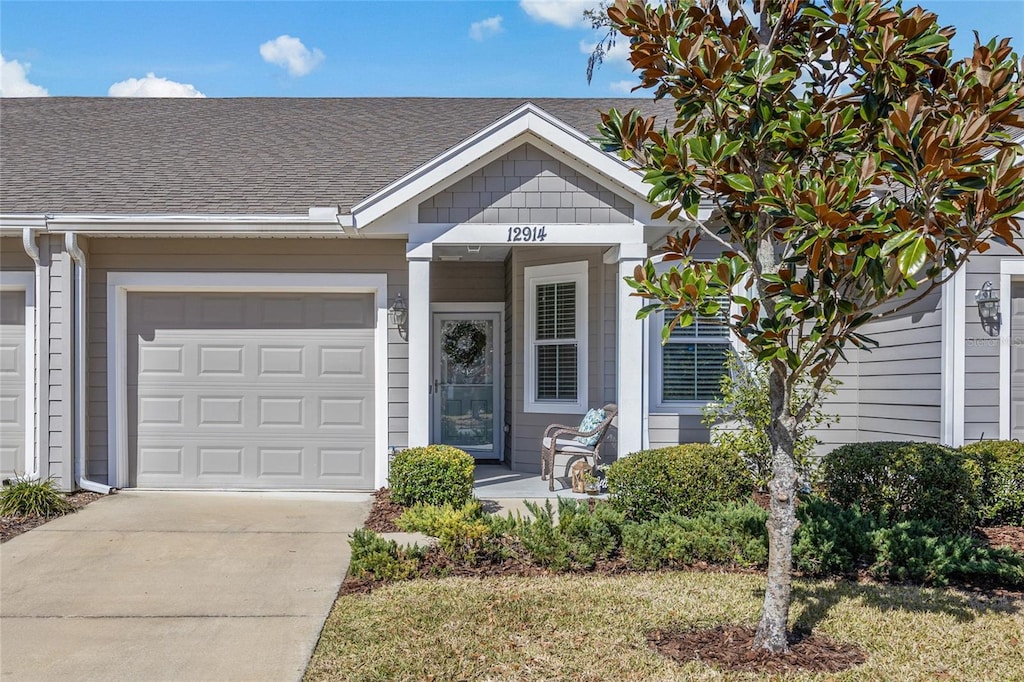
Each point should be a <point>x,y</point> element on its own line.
<point>497,482</point>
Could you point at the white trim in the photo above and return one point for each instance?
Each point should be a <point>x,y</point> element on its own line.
<point>630,341</point>
<point>26,281</point>
<point>120,283</point>
<point>579,273</point>
<point>589,234</point>
<point>1009,270</point>
<point>953,353</point>
<point>419,343</point>
<point>526,119</point>
<point>498,310</point>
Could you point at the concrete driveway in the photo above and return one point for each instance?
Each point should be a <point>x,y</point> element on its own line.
<point>175,586</point>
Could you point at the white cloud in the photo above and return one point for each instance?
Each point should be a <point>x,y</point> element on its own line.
<point>14,80</point>
<point>623,87</point>
<point>152,86</point>
<point>485,28</point>
<point>289,53</point>
<point>564,13</point>
<point>618,55</point>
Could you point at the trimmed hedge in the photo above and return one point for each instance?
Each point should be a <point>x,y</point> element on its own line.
<point>435,474</point>
<point>905,481</point>
<point>1002,488</point>
<point>686,479</point>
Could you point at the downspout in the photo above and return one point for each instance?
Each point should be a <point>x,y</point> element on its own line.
<point>80,423</point>
<point>28,241</point>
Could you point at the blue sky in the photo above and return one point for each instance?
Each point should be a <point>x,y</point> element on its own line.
<point>337,49</point>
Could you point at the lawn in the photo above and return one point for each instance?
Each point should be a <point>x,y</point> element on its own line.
<point>592,627</point>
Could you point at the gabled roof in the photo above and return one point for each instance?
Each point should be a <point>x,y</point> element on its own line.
<point>238,156</point>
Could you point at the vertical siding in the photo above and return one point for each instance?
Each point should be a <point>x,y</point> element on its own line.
<point>466,282</point>
<point>981,385</point>
<point>528,427</point>
<point>238,255</point>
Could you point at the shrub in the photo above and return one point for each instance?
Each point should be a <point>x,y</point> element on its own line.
<point>744,411</point>
<point>27,497</point>
<point>902,481</point>
<point>919,551</point>
<point>684,479</point>
<point>831,539</point>
<point>730,534</point>
<point>435,474</point>
<point>578,540</point>
<point>462,533</point>
<point>376,558</point>
<point>1002,488</point>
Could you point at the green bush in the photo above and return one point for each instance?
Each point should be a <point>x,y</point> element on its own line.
<point>684,479</point>
<point>462,533</point>
<point>376,558</point>
<point>577,541</point>
<point>435,474</point>
<point>730,534</point>
<point>904,481</point>
<point>1002,488</point>
<point>921,552</point>
<point>831,539</point>
<point>27,497</point>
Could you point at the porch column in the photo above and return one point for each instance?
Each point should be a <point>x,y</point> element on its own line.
<point>630,370</point>
<point>419,345</point>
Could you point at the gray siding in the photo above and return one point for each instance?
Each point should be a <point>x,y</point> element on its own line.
<point>526,186</point>
<point>57,325</point>
<point>238,255</point>
<point>12,255</point>
<point>981,386</point>
<point>527,428</point>
<point>509,290</point>
<point>459,282</point>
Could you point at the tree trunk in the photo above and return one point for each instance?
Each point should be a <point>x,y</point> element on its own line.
<point>782,522</point>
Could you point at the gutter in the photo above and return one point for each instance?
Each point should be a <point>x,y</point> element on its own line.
<point>79,419</point>
<point>28,241</point>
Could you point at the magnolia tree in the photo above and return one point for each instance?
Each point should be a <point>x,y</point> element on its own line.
<point>849,165</point>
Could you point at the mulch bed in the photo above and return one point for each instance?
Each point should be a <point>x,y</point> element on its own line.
<point>383,513</point>
<point>1004,536</point>
<point>729,648</point>
<point>11,526</point>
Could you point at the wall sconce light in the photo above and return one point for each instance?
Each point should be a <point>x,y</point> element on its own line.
<point>399,314</point>
<point>988,308</point>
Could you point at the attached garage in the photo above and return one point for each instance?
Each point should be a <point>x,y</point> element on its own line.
<point>13,390</point>
<point>244,389</point>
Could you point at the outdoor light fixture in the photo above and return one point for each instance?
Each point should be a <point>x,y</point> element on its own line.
<point>399,314</point>
<point>988,308</point>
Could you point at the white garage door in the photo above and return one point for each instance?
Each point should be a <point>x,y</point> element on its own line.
<point>251,390</point>
<point>12,383</point>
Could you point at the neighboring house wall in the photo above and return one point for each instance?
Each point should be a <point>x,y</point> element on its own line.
<point>237,255</point>
<point>526,186</point>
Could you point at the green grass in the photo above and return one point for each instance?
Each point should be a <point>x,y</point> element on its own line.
<point>590,627</point>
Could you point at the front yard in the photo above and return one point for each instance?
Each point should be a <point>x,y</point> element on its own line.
<point>593,627</point>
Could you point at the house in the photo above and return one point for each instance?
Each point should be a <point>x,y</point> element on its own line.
<point>277,293</point>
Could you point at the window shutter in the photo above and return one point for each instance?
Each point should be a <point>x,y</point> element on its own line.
<point>693,360</point>
<point>556,357</point>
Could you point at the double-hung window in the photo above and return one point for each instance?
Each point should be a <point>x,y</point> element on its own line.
<point>556,332</point>
<point>689,367</point>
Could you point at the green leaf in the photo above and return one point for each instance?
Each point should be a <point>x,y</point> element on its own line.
<point>900,240</point>
<point>912,258</point>
<point>740,182</point>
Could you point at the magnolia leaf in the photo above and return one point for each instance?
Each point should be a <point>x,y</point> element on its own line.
<point>912,258</point>
<point>739,181</point>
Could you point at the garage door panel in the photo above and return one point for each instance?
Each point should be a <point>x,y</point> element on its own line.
<point>13,395</point>
<point>252,390</point>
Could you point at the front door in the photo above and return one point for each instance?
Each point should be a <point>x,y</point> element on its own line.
<point>467,373</point>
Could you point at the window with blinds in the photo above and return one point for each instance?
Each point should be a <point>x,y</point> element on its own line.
<point>556,349</point>
<point>694,359</point>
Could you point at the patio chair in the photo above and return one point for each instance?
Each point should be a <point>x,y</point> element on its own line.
<point>560,439</point>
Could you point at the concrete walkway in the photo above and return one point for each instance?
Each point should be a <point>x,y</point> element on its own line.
<point>175,586</point>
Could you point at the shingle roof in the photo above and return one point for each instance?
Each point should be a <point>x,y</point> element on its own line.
<point>236,156</point>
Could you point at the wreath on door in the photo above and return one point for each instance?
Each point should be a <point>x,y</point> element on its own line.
<point>463,344</point>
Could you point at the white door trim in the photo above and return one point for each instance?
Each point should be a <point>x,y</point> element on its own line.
<point>26,281</point>
<point>1009,269</point>
<point>120,283</point>
<point>496,308</point>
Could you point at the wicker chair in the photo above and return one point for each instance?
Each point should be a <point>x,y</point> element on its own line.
<point>560,439</point>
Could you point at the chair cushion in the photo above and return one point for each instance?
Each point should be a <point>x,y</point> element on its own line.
<point>591,420</point>
<point>569,445</point>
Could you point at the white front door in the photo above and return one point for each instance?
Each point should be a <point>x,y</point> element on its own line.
<point>466,388</point>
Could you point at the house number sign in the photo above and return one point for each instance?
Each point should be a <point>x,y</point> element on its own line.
<point>527,233</point>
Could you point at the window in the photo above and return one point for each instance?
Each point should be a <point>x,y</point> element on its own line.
<point>556,331</point>
<point>691,364</point>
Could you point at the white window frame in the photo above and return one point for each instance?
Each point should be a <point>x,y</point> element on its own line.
<point>577,272</point>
